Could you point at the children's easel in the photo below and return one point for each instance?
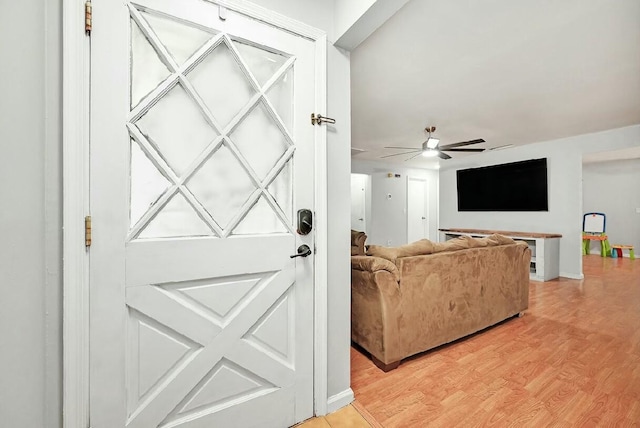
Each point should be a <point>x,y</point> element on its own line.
<point>593,229</point>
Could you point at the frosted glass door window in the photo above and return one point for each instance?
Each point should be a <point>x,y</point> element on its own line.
<point>181,40</point>
<point>176,219</point>
<point>147,183</point>
<point>281,190</point>
<point>147,70</point>
<point>222,186</point>
<point>260,141</point>
<point>262,63</point>
<point>177,128</point>
<point>211,149</point>
<point>221,84</point>
<point>281,97</point>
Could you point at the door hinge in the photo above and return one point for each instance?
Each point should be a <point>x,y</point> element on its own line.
<point>88,20</point>
<point>87,231</point>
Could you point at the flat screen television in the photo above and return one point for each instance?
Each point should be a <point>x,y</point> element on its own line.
<point>517,186</point>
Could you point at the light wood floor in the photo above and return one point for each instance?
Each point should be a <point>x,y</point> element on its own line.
<point>573,360</point>
<point>347,417</point>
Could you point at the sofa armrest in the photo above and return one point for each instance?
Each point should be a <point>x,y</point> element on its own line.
<point>373,264</point>
<point>376,307</point>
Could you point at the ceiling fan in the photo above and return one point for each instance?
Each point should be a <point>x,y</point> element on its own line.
<point>430,147</point>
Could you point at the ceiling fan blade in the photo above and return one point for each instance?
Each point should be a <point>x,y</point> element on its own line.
<point>443,155</point>
<point>405,148</point>
<point>400,154</point>
<point>464,150</point>
<point>462,143</point>
<point>414,156</point>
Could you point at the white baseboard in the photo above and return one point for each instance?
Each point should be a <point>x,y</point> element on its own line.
<point>340,400</point>
<point>572,275</point>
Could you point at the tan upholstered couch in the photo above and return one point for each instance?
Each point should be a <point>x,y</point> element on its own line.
<point>409,299</point>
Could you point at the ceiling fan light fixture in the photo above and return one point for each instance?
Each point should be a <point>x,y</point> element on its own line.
<point>432,143</point>
<point>430,153</point>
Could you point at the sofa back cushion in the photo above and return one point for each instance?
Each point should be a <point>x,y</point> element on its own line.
<point>418,248</point>
<point>424,246</point>
<point>464,242</point>
<point>357,243</point>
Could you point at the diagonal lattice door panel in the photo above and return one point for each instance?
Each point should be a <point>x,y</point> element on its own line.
<point>220,123</point>
<point>189,347</point>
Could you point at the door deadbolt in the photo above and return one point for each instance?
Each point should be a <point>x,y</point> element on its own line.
<point>305,221</point>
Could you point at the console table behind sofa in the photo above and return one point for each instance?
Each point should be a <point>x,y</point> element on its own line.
<point>545,248</point>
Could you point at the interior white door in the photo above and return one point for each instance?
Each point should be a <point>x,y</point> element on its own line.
<point>201,153</point>
<point>359,202</point>
<point>417,222</point>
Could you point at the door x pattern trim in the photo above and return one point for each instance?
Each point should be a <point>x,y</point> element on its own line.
<point>219,367</point>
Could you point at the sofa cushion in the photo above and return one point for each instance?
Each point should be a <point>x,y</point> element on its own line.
<point>418,248</point>
<point>455,244</point>
<point>424,246</point>
<point>497,239</point>
<point>387,253</point>
<point>357,243</point>
<point>463,242</point>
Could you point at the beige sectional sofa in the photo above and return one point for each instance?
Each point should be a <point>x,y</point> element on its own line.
<point>409,299</point>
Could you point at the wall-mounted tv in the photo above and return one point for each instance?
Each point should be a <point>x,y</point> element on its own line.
<point>517,186</point>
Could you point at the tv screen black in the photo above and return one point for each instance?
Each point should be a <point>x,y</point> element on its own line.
<point>518,186</point>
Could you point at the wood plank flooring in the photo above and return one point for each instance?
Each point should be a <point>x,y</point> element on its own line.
<point>347,417</point>
<point>573,360</point>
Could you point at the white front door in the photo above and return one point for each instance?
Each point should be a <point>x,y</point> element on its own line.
<point>417,225</point>
<point>201,154</point>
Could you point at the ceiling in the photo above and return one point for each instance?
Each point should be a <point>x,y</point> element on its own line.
<point>509,72</point>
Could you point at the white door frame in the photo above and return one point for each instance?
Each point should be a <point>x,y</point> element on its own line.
<point>75,91</point>
<point>426,203</point>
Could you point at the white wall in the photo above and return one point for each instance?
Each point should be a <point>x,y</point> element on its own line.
<point>388,221</point>
<point>613,188</point>
<point>30,225</point>
<point>339,204</point>
<point>564,159</point>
